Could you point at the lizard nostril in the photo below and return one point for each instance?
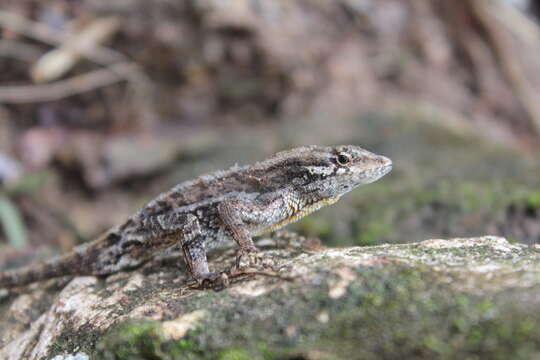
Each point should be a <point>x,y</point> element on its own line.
<point>385,161</point>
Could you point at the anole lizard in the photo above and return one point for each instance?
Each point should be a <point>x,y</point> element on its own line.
<point>236,204</point>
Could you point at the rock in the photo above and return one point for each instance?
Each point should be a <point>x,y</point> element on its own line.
<point>458,298</point>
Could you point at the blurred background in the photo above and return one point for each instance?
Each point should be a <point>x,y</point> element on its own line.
<point>105,104</point>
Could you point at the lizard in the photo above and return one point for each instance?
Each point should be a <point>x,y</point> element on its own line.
<point>235,204</point>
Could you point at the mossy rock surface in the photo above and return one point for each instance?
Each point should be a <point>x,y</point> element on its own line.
<point>456,298</point>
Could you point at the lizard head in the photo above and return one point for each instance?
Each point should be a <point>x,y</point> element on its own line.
<point>345,167</point>
<point>330,171</point>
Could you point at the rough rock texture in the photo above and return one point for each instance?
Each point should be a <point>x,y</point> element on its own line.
<point>456,298</point>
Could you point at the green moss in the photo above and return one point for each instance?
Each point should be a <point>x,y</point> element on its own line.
<point>184,344</point>
<point>187,349</point>
<point>134,339</point>
<point>234,354</point>
<point>371,232</point>
<point>533,199</point>
<point>315,226</point>
<point>143,339</point>
<point>81,340</point>
<point>408,313</point>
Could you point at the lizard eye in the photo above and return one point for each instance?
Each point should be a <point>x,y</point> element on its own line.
<point>343,158</point>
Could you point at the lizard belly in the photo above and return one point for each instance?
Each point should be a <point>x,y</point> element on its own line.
<point>295,214</point>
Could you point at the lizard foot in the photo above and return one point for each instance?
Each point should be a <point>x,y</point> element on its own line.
<point>254,259</point>
<point>214,280</point>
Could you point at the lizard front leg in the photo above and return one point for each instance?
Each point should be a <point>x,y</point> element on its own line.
<point>231,214</point>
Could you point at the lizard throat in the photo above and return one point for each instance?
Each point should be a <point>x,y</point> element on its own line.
<point>297,215</point>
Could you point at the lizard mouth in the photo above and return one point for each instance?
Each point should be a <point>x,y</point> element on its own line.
<point>386,169</point>
<point>375,173</point>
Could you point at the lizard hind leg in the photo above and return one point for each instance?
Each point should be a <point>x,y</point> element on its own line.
<point>195,255</point>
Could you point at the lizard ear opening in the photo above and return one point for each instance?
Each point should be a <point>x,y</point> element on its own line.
<point>343,158</point>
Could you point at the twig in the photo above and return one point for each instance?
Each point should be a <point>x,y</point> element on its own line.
<point>98,54</point>
<point>236,275</point>
<point>55,63</point>
<point>65,88</point>
<point>224,282</point>
<point>119,69</point>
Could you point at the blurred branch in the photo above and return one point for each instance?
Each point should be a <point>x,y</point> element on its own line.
<point>119,68</point>
<point>510,66</point>
<point>69,87</point>
<point>98,54</point>
<point>60,60</point>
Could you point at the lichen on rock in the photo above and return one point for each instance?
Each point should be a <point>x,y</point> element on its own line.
<point>466,297</point>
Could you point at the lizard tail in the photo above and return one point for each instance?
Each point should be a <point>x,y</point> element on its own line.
<point>59,266</point>
<point>80,261</point>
